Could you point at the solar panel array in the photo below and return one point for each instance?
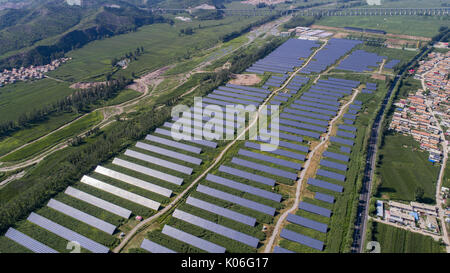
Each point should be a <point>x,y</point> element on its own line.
<point>236,200</point>
<point>325,185</point>
<point>314,209</point>
<point>359,61</point>
<point>243,187</point>
<point>263,168</point>
<point>28,242</point>
<point>336,156</point>
<point>335,49</point>
<point>95,201</point>
<point>334,165</point>
<point>302,221</point>
<point>192,240</point>
<point>270,159</point>
<point>247,175</point>
<point>154,247</point>
<point>216,228</point>
<point>81,216</point>
<point>284,58</point>
<point>330,174</point>
<point>278,249</point>
<point>301,239</point>
<point>67,234</point>
<point>324,197</point>
<point>238,217</point>
<point>391,64</point>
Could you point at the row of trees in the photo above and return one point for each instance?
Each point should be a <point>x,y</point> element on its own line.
<point>80,101</point>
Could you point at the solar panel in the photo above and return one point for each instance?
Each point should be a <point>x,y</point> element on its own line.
<point>355,107</point>
<point>67,234</point>
<point>216,228</point>
<point>248,88</point>
<point>81,216</point>
<point>336,156</point>
<point>306,114</point>
<point>345,134</point>
<point>324,197</point>
<point>357,102</point>
<point>148,171</point>
<point>247,175</point>
<point>28,242</point>
<point>348,121</point>
<point>120,192</point>
<point>237,200</point>
<point>314,209</point>
<point>342,141</point>
<point>243,187</point>
<point>353,112</point>
<point>278,151</point>
<point>238,217</point>
<point>263,168</point>
<point>278,249</point>
<point>229,99</point>
<point>305,222</point>
<point>174,144</point>
<point>348,128</point>
<point>203,133</point>
<point>329,174</point>
<point>270,159</point>
<point>154,247</point>
<point>324,92</point>
<point>346,150</point>
<point>334,165</point>
<point>169,153</point>
<point>339,83</point>
<point>303,125</point>
<point>326,185</point>
<point>289,145</point>
<point>202,142</point>
<point>299,132</point>
<point>280,98</point>
<point>95,201</point>
<point>317,105</point>
<point>192,240</point>
<point>345,81</point>
<point>159,162</point>
<point>301,239</point>
<point>231,94</point>
<point>133,181</point>
<point>249,93</point>
<point>315,110</point>
<point>320,100</point>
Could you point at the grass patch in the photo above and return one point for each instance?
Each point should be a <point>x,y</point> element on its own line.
<point>403,167</point>
<point>396,240</point>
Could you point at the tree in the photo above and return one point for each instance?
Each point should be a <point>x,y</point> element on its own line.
<point>419,194</point>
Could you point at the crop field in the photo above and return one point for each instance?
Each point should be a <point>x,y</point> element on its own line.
<point>403,167</point>
<point>396,240</point>
<point>21,97</point>
<point>33,132</point>
<point>70,131</point>
<point>425,26</point>
<point>446,179</point>
<point>162,45</point>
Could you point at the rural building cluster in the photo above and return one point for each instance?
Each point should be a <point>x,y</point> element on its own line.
<point>415,115</point>
<point>416,215</point>
<point>29,73</point>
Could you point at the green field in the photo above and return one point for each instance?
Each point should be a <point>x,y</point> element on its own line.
<point>410,4</point>
<point>446,179</point>
<point>19,98</point>
<point>403,167</point>
<point>162,45</point>
<point>425,26</point>
<point>396,240</point>
<point>33,132</point>
<point>74,129</point>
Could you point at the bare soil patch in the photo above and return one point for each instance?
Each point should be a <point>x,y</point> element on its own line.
<point>245,79</point>
<point>86,85</point>
<point>378,77</point>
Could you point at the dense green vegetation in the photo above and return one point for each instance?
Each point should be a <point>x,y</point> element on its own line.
<point>397,240</point>
<point>403,168</point>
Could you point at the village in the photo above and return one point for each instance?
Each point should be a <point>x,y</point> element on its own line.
<point>423,113</point>
<point>29,73</point>
<point>416,216</point>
